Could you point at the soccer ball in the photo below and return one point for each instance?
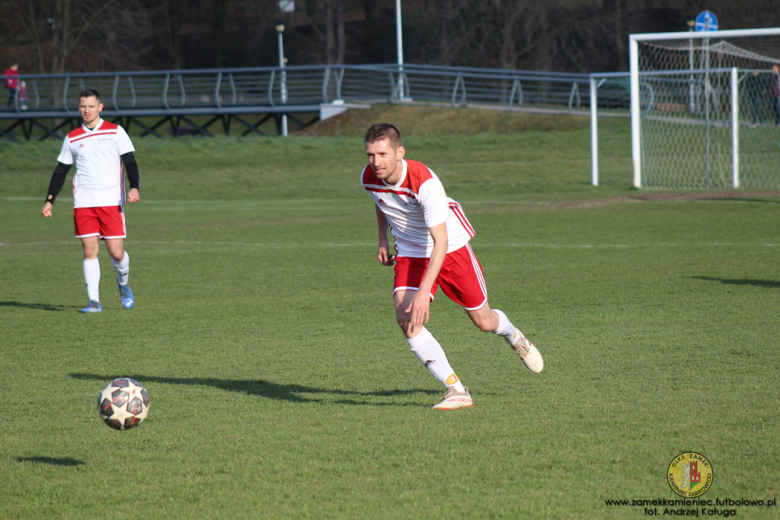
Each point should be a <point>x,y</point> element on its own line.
<point>123,403</point>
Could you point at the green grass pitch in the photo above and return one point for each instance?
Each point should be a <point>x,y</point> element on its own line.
<point>281,386</point>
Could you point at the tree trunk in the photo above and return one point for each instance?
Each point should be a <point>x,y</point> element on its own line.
<point>330,33</point>
<point>369,26</point>
<point>543,54</point>
<point>620,44</point>
<point>341,35</point>
<point>173,15</point>
<point>445,8</point>
<point>508,18</point>
<point>219,21</point>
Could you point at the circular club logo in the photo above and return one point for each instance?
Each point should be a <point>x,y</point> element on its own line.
<point>690,475</point>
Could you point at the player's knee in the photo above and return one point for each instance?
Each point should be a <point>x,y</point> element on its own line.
<point>483,324</point>
<point>404,321</point>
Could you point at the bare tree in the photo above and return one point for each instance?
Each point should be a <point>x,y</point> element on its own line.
<point>219,20</point>
<point>508,14</point>
<point>330,33</point>
<point>60,28</point>
<point>445,10</point>
<point>341,34</point>
<point>173,16</point>
<point>335,33</point>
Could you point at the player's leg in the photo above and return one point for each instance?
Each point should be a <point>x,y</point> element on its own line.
<point>91,246</point>
<point>88,231</point>
<point>462,280</point>
<point>424,345</point>
<point>495,321</point>
<point>119,259</point>
<point>409,274</point>
<point>114,232</point>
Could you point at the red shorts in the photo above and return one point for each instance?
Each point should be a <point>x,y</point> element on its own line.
<point>460,277</point>
<point>105,222</point>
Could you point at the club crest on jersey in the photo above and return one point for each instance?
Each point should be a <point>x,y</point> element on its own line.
<point>413,203</point>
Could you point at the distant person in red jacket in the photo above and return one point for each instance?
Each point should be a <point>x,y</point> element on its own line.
<point>12,83</point>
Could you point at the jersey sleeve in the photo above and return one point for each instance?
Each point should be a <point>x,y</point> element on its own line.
<point>123,142</point>
<point>66,155</point>
<point>433,200</point>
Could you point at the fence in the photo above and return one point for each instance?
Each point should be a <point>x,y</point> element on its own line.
<point>290,90</point>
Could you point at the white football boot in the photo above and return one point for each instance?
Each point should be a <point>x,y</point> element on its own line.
<point>527,352</point>
<point>452,400</point>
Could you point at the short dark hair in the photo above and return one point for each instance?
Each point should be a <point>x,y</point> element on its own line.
<point>382,131</point>
<point>90,92</point>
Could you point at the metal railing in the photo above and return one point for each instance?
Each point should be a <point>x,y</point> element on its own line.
<point>260,89</point>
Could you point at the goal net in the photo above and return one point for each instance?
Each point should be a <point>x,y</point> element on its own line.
<point>705,109</point>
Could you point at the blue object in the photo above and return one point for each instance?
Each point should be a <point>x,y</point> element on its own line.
<point>92,307</point>
<point>126,295</point>
<point>706,21</point>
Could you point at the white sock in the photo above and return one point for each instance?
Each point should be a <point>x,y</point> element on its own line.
<point>92,277</point>
<point>122,269</point>
<point>430,354</point>
<point>505,328</point>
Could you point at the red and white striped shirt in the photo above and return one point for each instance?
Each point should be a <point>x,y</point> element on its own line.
<point>99,179</point>
<point>414,204</point>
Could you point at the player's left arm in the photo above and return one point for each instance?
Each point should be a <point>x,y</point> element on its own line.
<point>125,149</point>
<point>419,309</point>
<point>133,176</point>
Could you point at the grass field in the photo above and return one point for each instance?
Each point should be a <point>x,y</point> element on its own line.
<point>281,388</point>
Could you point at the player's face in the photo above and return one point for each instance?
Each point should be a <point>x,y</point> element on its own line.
<point>90,110</point>
<point>385,160</point>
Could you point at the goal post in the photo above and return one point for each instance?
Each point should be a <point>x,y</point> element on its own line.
<point>609,97</point>
<point>705,109</point>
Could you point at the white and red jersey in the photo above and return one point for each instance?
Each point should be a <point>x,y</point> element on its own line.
<point>414,204</point>
<point>99,179</point>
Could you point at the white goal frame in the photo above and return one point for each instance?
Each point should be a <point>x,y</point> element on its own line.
<point>634,40</point>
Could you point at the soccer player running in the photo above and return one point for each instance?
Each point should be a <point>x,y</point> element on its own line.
<point>431,236</point>
<point>98,149</point>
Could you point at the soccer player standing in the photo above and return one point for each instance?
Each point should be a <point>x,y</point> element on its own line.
<point>98,148</point>
<point>431,237</point>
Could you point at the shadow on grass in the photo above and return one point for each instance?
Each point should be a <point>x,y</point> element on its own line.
<point>769,284</point>
<point>289,393</point>
<point>39,306</point>
<point>52,461</point>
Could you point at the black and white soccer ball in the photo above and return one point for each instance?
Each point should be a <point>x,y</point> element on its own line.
<point>123,403</point>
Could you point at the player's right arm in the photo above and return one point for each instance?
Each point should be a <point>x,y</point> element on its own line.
<point>383,250</point>
<point>56,184</point>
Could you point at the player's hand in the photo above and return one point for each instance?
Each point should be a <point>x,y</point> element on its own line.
<point>384,256</point>
<point>133,196</point>
<point>419,309</point>
<point>46,211</point>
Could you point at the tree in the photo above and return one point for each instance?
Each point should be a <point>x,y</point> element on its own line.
<point>60,28</point>
<point>335,34</point>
